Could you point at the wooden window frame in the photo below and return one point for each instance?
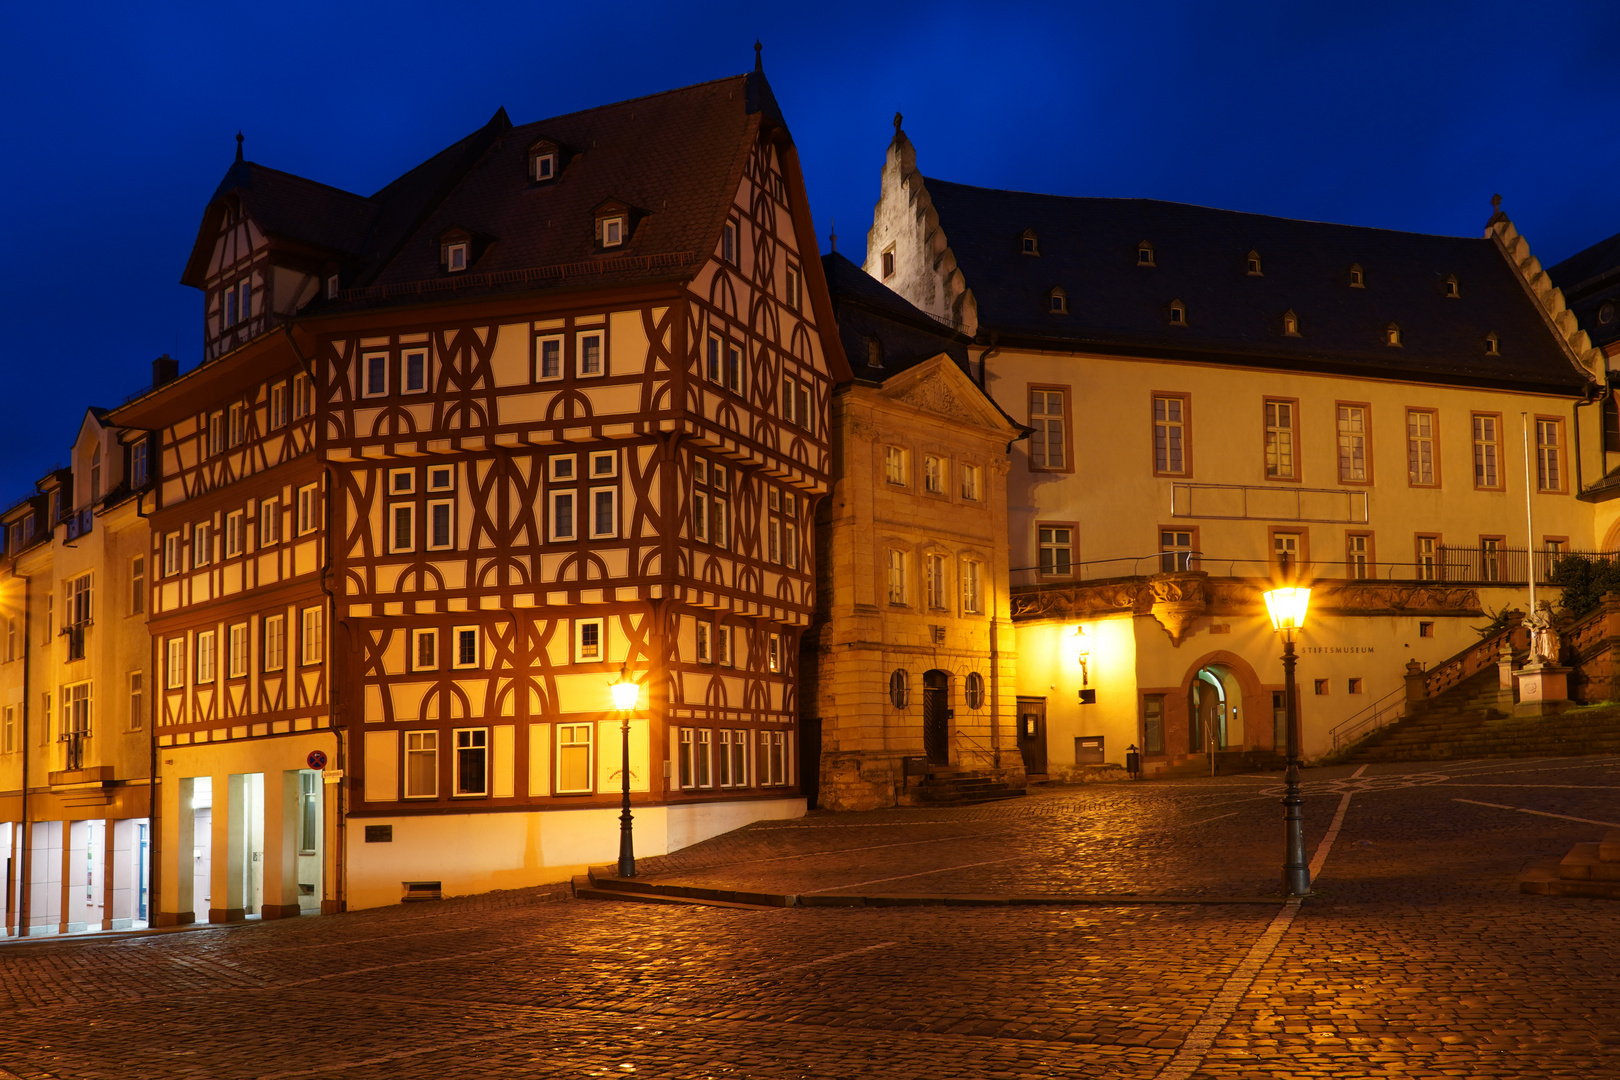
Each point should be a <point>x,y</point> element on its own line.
<point>594,460</point>
<point>1371,553</point>
<point>405,354</point>
<point>309,509</point>
<point>453,248</point>
<point>887,263</point>
<point>1366,442</point>
<point>367,390</point>
<point>580,336</point>
<point>206,655</point>
<point>537,350</point>
<point>1192,542</point>
<point>971,604</point>
<point>965,472</point>
<point>612,533</point>
<point>1293,429</point>
<point>1417,557</point>
<point>1067,393</point>
<point>1073,546</point>
<point>418,635</point>
<point>1474,443</point>
<point>891,566</point>
<point>174,668</point>
<point>903,456</point>
<point>793,285</point>
<point>429,751</point>
<point>269,517</point>
<point>455,762</point>
<point>408,509</point>
<point>577,630</point>
<point>589,742</point>
<point>1186,433</point>
<point>278,638</point>
<point>309,656</point>
<point>1501,546</point>
<point>936,587</point>
<point>235,536</point>
<point>942,469</point>
<point>1434,440</point>
<point>427,532</point>
<point>233,633</point>
<point>457,635</point>
<point>401,482</point>
<point>1562,448</point>
<point>1301,531</point>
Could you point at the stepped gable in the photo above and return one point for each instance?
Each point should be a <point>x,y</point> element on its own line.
<point>674,158</point>
<point>1590,280</point>
<point>1089,248</point>
<point>865,306</point>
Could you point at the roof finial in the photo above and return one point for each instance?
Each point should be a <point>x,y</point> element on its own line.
<point>759,62</point>
<point>238,146</point>
<point>897,122</point>
<point>832,233</point>
<point>1496,203</point>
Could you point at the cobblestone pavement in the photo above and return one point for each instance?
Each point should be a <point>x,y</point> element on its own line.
<point>1416,957</point>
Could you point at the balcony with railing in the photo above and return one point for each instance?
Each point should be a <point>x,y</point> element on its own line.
<point>73,636</point>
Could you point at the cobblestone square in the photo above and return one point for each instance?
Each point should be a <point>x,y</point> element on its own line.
<point>1161,949</point>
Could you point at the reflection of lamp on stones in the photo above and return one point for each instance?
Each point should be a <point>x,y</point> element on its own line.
<point>1287,605</point>
<point>625,693</point>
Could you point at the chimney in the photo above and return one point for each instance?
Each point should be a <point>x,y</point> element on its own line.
<point>164,369</point>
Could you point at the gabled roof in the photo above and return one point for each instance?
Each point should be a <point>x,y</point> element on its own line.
<point>865,306</point>
<point>1088,247</point>
<point>678,154</point>
<point>1590,280</point>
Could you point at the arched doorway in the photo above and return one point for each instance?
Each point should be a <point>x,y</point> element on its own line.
<point>936,717</point>
<point>1213,718</point>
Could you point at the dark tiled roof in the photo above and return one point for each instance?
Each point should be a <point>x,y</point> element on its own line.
<point>1088,247</point>
<point>1590,280</point>
<point>676,157</point>
<point>866,307</point>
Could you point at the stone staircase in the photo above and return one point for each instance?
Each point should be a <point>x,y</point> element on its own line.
<point>1472,720</point>
<point>950,786</point>
<point>1590,870</point>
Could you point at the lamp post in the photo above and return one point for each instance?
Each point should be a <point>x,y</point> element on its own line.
<point>625,692</point>
<point>1083,651</point>
<point>1287,605</point>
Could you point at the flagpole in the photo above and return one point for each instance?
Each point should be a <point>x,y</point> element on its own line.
<point>1529,517</point>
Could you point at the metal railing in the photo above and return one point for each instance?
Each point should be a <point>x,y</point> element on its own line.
<point>1385,710</point>
<point>1271,502</point>
<point>74,633</point>
<point>73,750</point>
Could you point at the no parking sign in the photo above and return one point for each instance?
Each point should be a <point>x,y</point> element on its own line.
<point>317,759</point>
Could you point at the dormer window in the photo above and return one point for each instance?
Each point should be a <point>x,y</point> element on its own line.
<point>612,231</point>
<point>1449,286</point>
<point>1492,345</point>
<point>1144,254</point>
<point>1392,334</point>
<point>456,256</point>
<point>1290,324</point>
<point>1030,244</point>
<point>543,166</point>
<point>1357,279</point>
<point>1253,263</point>
<point>874,351</point>
<point>1057,302</point>
<point>1178,313</point>
<point>331,286</point>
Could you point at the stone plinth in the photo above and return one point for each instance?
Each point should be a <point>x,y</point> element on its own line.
<point>1543,690</point>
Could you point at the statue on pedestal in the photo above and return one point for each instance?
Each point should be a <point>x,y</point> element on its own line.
<point>1543,638</point>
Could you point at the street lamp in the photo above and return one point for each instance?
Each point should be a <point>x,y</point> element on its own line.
<point>1287,605</point>
<point>625,693</point>
<point>1083,651</point>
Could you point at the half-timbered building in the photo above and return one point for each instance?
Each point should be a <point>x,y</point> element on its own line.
<point>546,411</point>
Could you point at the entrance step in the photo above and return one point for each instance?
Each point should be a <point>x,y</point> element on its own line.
<point>1590,869</point>
<point>946,786</point>
<point>603,883</point>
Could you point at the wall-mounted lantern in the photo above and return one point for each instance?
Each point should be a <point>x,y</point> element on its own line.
<point>1082,650</point>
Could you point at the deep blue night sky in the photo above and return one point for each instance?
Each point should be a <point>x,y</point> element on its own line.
<point>119,121</point>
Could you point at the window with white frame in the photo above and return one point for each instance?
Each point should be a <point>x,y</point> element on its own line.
<point>465,640</point>
<point>137,700</point>
<point>728,242</point>
<point>934,576</point>
<point>561,512</point>
<point>441,531</point>
<point>205,657</point>
<point>202,544</point>
<point>171,554</point>
<point>543,166</point>
<point>897,577</point>
<point>548,357</point>
<point>413,371</point>
<point>1048,415</point>
<point>421,764</point>
<point>76,701</point>
<point>280,406</point>
<point>711,508</point>
<point>235,540</point>
<point>402,481</point>
<point>705,642</point>
<point>795,403</point>
<point>236,652</point>
<point>472,761</point>
<point>972,599</point>
<point>686,746</point>
<point>425,650</point>
<point>604,513</point>
<point>739,759</point>
<point>791,287</point>
<point>8,730</point>
<point>401,527</point>
<point>216,433</point>
<point>237,423</point>
<point>269,522</point>
<point>933,474</point>
<point>972,482</point>
<point>896,465</point>
<point>604,464</point>
<point>735,374</point>
<point>773,528</point>
<point>774,658</point>
<point>139,463</point>
<point>275,642</point>
<point>311,639</point>
<point>560,467</point>
<point>722,645</point>
<point>590,354</point>
<point>455,256</point>
<point>612,231</point>
<point>175,668</point>
<point>772,758</point>
<point>714,359</point>
<point>704,758</point>
<point>309,508</point>
<point>575,768</point>
<point>441,478</point>
<point>137,585</point>
<point>1056,550</point>
<point>589,648</point>
<point>303,396</point>
<point>722,758</point>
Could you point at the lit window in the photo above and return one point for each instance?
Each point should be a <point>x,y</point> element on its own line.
<point>1280,439</point>
<point>421,764</point>
<point>1170,435</point>
<point>972,604</point>
<point>1178,313</point>
<point>1392,334</point>
<point>472,761</point>
<point>773,652</point>
<point>1290,324</point>
<point>1048,444</point>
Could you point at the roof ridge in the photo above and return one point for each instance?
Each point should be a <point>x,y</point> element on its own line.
<point>626,101</point>
<point>309,180</point>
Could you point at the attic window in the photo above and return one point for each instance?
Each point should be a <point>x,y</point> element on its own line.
<point>1144,254</point>
<point>1057,302</point>
<point>874,351</point>
<point>543,166</point>
<point>1449,286</point>
<point>455,256</point>
<point>332,287</point>
<point>611,230</point>
<point>1030,244</point>
<point>1290,324</point>
<point>1392,334</point>
<point>1492,345</point>
<point>1178,313</point>
<point>1357,280</point>
<point>888,264</point>
<point>1606,314</point>
<point>728,243</point>
<point>1254,264</point>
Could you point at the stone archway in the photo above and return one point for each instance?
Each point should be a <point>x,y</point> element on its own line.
<point>1223,681</point>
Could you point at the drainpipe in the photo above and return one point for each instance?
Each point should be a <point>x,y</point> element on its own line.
<point>27,845</point>
<point>995,597</point>
<point>1588,399</point>
<point>154,808</point>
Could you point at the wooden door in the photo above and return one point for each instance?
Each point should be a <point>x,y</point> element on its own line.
<point>1032,734</point>
<point>936,717</point>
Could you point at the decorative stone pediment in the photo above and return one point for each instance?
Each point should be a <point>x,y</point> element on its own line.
<point>938,386</point>
<point>1177,600</point>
